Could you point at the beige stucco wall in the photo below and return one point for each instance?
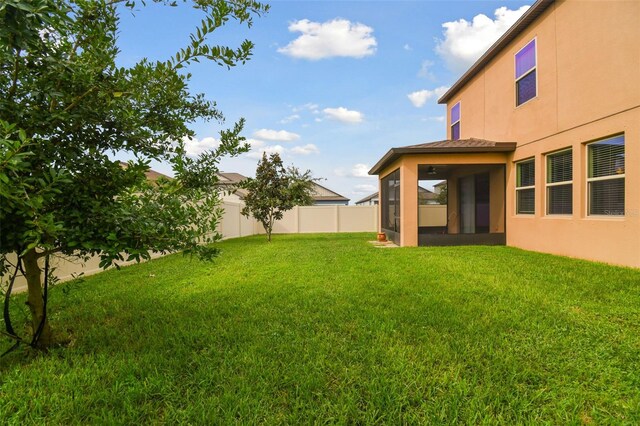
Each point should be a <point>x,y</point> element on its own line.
<point>588,70</point>
<point>408,166</point>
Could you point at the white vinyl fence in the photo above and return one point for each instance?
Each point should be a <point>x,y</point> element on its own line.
<point>311,219</point>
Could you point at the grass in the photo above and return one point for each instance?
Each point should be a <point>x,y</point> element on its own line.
<point>328,329</point>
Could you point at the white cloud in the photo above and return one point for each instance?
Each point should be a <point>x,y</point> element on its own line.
<point>464,42</point>
<point>425,70</point>
<point>365,188</point>
<point>269,149</point>
<point>276,135</point>
<point>419,98</point>
<point>335,38</point>
<point>407,47</point>
<point>307,107</point>
<point>361,170</point>
<point>305,150</point>
<point>344,115</point>
<point>195,146</point>
<point>290,118</point>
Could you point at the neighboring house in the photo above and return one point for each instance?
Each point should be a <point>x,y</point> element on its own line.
<point>438,187</point>
<point>541,129</point>
<point>323,196</point>
<point>369,200</point>
<point>424,197</point>
<point>228,183</point>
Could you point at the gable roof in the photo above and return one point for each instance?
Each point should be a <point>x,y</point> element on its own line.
<point>368,198</point>
<point>230,178</point>
<point>320,193</point>
<point>461,146</point>
<point>520,25</point>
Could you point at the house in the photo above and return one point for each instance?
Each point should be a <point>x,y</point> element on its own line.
<point>369,200</point>
<point>228,182</point>
<point>424,197</point>
<point>540,130</point>
<point>323,196</point>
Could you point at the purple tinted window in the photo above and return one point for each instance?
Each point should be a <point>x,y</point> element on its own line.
<point>455,132</point>
<point>526,59</point>
<point>455,113</point>
<point>526,88</point>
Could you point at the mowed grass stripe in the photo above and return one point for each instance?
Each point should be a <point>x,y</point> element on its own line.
<point>329,329</point>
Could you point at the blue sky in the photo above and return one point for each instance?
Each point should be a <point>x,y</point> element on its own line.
<point>332,85</point>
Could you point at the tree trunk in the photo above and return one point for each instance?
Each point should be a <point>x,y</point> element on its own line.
<point>35,300</point>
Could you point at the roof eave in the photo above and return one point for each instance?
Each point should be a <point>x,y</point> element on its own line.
<point>520,25</point>
<point>395,153</point>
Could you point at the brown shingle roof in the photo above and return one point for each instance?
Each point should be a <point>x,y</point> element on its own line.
<point>462,146</point>
<point>521,24</point>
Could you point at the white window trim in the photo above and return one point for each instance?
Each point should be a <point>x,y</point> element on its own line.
<point>599,179</point>
<point>550,184</point>
<point>458,121</point>
<point>535,68</point>
<point>521,188</point>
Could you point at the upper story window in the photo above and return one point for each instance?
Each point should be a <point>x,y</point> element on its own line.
<point>455,122</point>
<point>605,176</point>
<point>526,85</point>
<point>526,187</point>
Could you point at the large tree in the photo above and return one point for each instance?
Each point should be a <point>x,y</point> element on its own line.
<point>275,190</point>
<point>66,108</point>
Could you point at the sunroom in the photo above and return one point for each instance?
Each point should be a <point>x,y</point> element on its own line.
<point>473,210</point>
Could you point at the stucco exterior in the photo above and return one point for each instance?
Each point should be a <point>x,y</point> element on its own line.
<point>588,88</point>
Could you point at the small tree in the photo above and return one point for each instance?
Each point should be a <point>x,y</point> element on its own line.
<point>275,190</point>
<point>442,195</point>
<point>65,106</point>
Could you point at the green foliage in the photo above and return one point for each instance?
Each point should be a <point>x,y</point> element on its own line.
<point>275,190</point>
<point>65,107</point>
<point>346,333</point>
<point>442,195</point>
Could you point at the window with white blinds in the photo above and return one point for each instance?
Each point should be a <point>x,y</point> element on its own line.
<point>605,176</point>
<point>560,183</point>
<point>525,187</point>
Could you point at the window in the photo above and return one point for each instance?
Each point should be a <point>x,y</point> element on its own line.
<point>525,187</point>
<point>526,73</point>
<point>560,182</point>
<point>455,122</point>
<point>605,176</point>
<point>390,199</point>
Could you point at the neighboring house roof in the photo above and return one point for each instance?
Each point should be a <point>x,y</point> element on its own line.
<point>443,183</point>
<point>443,147</point>
<point>153,176</point>
<point>230,178</point>
<point>516,29</point>
<point>228,182</point>
<point>368,198</point>
<point>320,193</point>
<point>423,193</point>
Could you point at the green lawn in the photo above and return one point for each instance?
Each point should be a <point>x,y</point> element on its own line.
<point>328,329</point>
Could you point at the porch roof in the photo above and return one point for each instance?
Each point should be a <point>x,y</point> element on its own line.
<point>462,146</point>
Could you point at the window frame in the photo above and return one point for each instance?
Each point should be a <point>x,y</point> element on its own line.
<point>533,69</point>
<point>589,180</point>
<point>528,187</point>
<point>548,184</point>
<point>458,122</point>
<point>384,195</point>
